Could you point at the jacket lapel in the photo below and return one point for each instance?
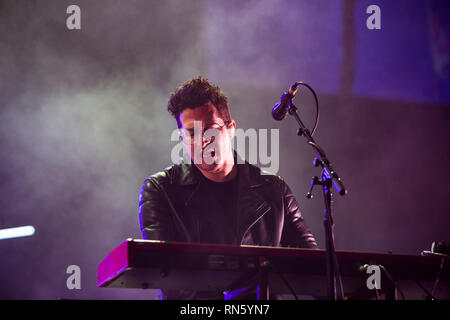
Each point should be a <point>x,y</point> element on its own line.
<point>251,205</point>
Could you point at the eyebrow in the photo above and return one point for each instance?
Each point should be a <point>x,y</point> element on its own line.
<point>206,126</point>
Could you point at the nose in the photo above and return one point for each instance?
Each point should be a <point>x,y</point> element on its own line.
<point>207,140</point>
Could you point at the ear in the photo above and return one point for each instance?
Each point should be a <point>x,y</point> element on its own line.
<point>232,128</point>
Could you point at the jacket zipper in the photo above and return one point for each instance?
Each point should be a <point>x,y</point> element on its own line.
<point>254,222</point>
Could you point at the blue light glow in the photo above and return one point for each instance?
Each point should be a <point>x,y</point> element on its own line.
<point>24,231</point>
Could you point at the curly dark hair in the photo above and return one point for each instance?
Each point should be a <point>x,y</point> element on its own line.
<point>197,92</point>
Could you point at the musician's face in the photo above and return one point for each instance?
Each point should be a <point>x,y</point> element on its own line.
<point>207,138</point>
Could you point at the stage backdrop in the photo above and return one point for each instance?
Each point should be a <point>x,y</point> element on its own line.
<point>83,119</point>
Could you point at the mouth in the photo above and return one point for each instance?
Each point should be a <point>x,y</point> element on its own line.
<point>209,152</point>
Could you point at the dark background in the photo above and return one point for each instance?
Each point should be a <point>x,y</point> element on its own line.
<point>83,119</point>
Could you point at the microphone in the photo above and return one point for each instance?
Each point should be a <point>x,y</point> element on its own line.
<point>280,110</point>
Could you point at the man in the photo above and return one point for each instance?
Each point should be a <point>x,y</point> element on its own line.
<point>217,198</point>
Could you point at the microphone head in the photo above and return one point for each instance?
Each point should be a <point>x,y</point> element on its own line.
<point>279,112</point>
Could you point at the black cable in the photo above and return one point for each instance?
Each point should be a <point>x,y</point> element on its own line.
<point>424,289</point>
<point>317,105</point>
<point>392,281</point>
<point>436,254</point>
<point>284,280</point>
<point>438,275</point>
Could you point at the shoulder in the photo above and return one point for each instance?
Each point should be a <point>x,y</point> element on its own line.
<point>155,183</point>
<point>176,174</point>
<point>257,175</point>
<point>163,176</point>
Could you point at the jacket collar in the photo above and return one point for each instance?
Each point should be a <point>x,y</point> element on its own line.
<point>249,175</point>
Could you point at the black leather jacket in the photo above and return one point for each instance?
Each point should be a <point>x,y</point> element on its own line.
<point>267,211</point>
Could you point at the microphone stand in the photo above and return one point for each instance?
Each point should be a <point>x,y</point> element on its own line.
<point>328,179</point>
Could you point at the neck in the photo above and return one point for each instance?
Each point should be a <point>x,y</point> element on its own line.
<point>227,172</point>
